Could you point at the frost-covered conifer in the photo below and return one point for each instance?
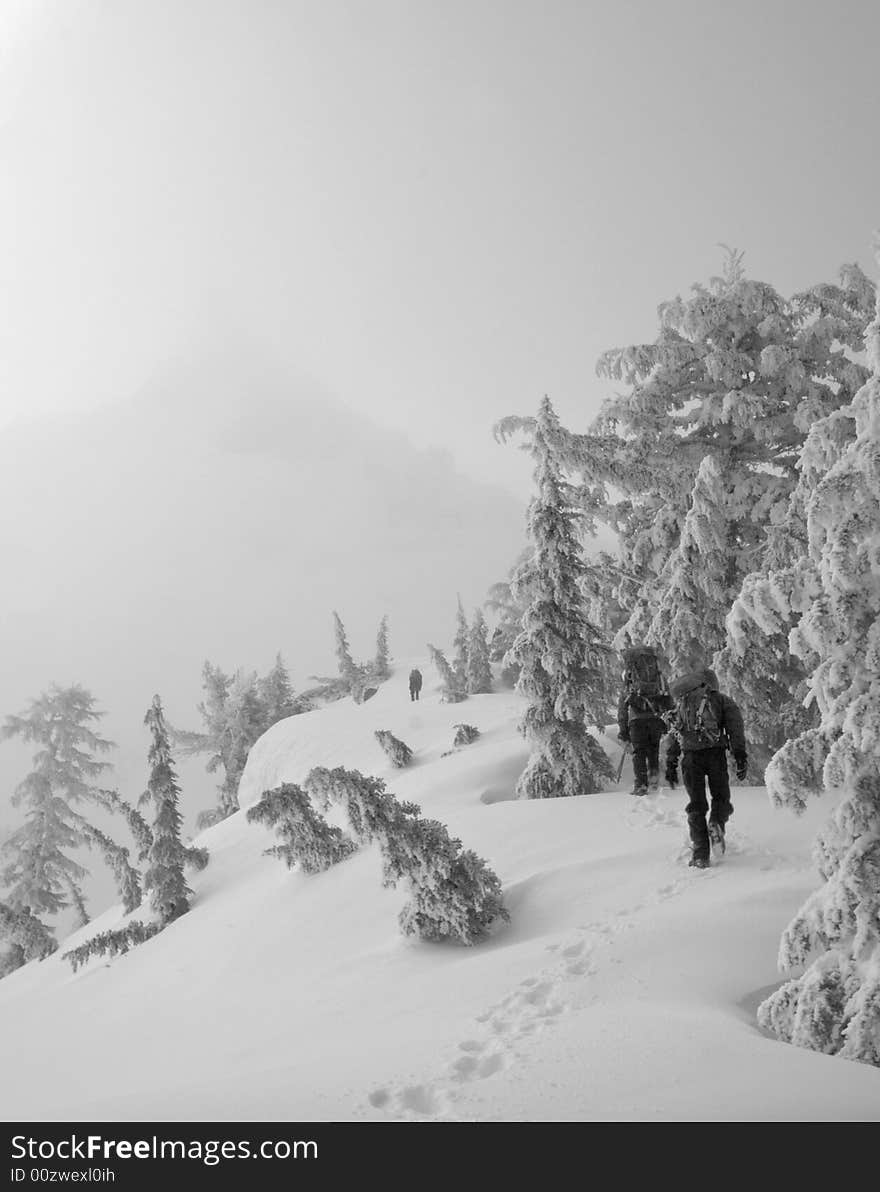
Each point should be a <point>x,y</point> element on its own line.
<point>453,893</point>
<point>27,938</point>
<point>460,644</point>
<point>400,754</point>
<point>309,841</point>
<point>736,373</point>
<point>696,595</point>
<point>372,811</point>
<point>164,878</point>
<point>508,600</point>
<point>38,873</point>
<point>834,1006</point>
<point>562,682</point>
<point>112,943</point>
<point>451,692</point>
<point>381,667</point>
<point>275,693</point>
<point>465,734</point>
<point>127,878</point>
<point>479,671</point>
<point>235,716</point>
<point>348,670</point>
<point>757,668</point>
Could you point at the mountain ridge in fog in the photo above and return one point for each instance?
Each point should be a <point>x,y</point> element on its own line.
<point>222,512</point>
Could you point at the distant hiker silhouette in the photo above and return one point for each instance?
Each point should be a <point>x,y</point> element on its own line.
<point>415,683</point>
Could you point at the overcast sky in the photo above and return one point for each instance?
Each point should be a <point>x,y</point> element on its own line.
<point>437,211</point>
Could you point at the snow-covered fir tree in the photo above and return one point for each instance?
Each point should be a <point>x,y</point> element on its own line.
<point>38,874</point>
<point>603,584</point>
<point>26,936</point>
<point>737,373</point>
<point>308,840</point>
<point>164,879</point>
<point>479,671</point>
<point>382,660</point>
<point>246,722</point>
<point>460,645</point>
<point>453,894</point>
<point>558,650</point>
<point>399,753</point>
<point>348,670</point>
<point>464,734</point>
<point>235,714</point>
<point>275,693</point>
<point>507,600</point>
<point>112,943</point>
<point>834,1005</point>
<point>128,881</point>
<point>757,668</point>
<point>696,596</point>
<point>451,691</point>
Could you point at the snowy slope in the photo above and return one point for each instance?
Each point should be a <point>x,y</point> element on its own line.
<point>624,987</point>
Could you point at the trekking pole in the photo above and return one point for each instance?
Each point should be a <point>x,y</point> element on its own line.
<point>622,760</point>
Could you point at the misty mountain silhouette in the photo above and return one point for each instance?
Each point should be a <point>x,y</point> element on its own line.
<point>223,512</point>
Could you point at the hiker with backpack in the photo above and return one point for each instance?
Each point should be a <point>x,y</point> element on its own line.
<point>704,724</point>
<point>415,683</point>
<point>640,710</point>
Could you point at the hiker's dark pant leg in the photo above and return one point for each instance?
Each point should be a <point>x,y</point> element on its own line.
<point>645,736</point>
<point>719,785</point>
<point>693,774</point>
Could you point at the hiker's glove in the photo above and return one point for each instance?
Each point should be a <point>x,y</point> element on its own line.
<point>742,765</point>
<point>671,776</point>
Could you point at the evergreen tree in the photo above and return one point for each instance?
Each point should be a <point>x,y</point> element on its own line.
<point>235,715</point>
<point>348,671</point>
<point>479,672</point>
<point>39,875</point>
<point>400,754</point>
<point>460,645</point>
<point>381,668</point>
<point>509,609</point>
<point>114,943</point>
<point>275,694</point>
<point>309,841</point>
<point>554,646</point>
<point>164,878</point>
<point>757,668</point>
<point>453,894</point>
<point>689,621</point>
<point>246,723</point>
<point>26,936</point>
<point>451,692</point>
<point>115,856</point>
<point>737,374</point>
<point>464,734</point>
<point>834,1006</point>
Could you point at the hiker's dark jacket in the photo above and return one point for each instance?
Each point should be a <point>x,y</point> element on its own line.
<point>730,722</point>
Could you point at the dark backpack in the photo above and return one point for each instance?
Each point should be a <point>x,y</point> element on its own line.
<point>696,717</point>
<point>644,680</point>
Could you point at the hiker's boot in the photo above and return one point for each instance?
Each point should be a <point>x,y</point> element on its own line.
<point>716,837</point>
<point>653,781</point>
<point>699,840</point>
<point>639,789</point>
